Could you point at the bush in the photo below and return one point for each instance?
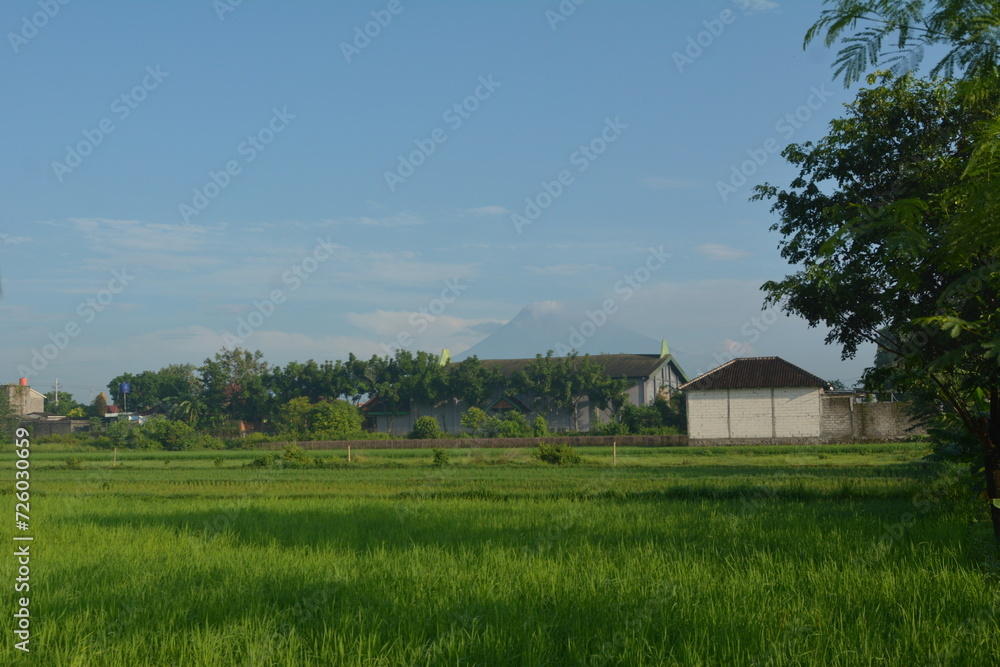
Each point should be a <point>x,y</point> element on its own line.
<point>426,428</point>
<point>159,433</point>
<point>610,428</point>
<point>74,463</point>
<point>130,435</point>
<point>558,454</point>
<point>265,461</point>
<point>476,422</point>
<point>511,425</point>
<point>440,458</point>
<point>292,453</point>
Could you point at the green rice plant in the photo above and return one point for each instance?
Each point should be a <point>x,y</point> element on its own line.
<point>738,558</point>
<point>440,458</point>
<point>558,454</point>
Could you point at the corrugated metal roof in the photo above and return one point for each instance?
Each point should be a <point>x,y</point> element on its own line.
<point>755,373</point>
<point>617,365</point>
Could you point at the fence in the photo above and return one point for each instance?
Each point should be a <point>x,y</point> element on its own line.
<point>494,443</point>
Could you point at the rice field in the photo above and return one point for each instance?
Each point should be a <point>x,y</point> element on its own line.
<point>847,555</point>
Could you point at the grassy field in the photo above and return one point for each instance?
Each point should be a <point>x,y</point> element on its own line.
<point>846,555</point>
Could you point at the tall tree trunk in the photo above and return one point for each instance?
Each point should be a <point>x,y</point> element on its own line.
<point>991,460</point>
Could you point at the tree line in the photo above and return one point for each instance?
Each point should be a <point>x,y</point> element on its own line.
<point>239,385</point>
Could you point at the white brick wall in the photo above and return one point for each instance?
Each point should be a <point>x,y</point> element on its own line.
<point>750,413</point>
<point>797,412</point>
<point>707,414</point>
<point>791,412</point>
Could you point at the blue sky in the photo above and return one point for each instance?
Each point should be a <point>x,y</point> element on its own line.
<point>179,176</point>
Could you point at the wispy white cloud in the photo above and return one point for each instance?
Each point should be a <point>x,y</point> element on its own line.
<point>721,253</point>
<point>7,239</point>
<point>562,269</point>
<point>757,5</point>
<point>485,211</point>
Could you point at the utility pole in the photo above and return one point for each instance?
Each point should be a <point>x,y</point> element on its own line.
<point>57,392</point>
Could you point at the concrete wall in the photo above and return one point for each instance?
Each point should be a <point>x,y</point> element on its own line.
<point>791,415</point>
<point>749,414</point>
<point>24,400</point>
<point>60,427</point>
<point>708,414</point>
<point>845,418</point>
<point>797,412</point>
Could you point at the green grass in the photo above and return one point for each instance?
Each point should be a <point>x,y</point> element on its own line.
<point>853,555</point>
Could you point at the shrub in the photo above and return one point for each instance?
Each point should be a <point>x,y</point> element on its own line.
<point>219,461</point>
<point>540,427</point>
<point>512,425</point>
<point>426,428</point>
<point>159,433</point>
<point>130,435</point>
<point>610,428</point>
<point>74,463</point>
<point>440,458</point>
<point>558,454</point>
<point>292,453</point>
<point>476,422</point>
<point>265,461</point>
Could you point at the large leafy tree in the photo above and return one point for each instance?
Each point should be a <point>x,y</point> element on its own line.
<point>475,383</point>
<point>894,248</point>
<point>166,387</point>
<point>233,385</point>
<point>65,405</point>
<point>896,33</point>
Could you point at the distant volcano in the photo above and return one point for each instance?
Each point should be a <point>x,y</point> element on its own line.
<point>548,325</point>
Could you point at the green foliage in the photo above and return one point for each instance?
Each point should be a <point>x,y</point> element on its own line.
<point>473,383</point>
<point>8,417</point>
<point>440,459</point>
<point>661,417</point>
<point>611,428</point>
<point>967,31</point>
<point>129,435</point>
<point>540,427</point>
<point>295,417</point>
<point>159,433</point>
<point>263,461</point>
<point>65,406</point>
<point>426,428</point>
<point>74,463</point>
<point>335,420</point>
<point>866,519</point>
<point>233,386</point>
<point>558,454</point>
<point>475,421</point>
<point>513,424</point>
<point>905,252</point>
<point>292,453</point>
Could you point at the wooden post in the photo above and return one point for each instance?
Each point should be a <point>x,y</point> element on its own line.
<point>114,463</point>
<point>614,452</point>
<point>348,453</point>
